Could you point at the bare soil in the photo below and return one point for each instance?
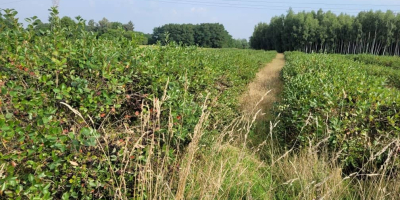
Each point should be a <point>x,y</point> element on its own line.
<point>264,91</point>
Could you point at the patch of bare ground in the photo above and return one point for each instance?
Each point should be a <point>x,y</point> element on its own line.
<point>264,91</point>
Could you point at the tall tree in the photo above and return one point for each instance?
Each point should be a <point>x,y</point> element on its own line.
<point>129,26</point>
<point>369,32</point>
<point>204,35</point>
<point>67,22</point>
<point>92,26</point>
<point>104,25</point>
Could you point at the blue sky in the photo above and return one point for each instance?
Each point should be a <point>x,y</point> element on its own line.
<point>238,16</point>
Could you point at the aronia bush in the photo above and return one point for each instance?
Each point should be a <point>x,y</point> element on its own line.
<point>72,105</point>
<point>326,96</point>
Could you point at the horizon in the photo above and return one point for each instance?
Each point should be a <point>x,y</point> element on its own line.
<point>238,17</point>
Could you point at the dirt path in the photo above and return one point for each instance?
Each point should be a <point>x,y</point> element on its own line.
<point>267,79</point>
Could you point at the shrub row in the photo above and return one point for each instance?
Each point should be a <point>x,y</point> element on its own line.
<point>387,61</point>
<point>392,75</point>
<point>384,66</point>
<point>326,96</point>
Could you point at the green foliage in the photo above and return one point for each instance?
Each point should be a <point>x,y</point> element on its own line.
<point>328,96</point>
<point>387,61</point>
<point>239,43</point>
<point>205,35</point>
<point>104,28</point>
<point>178,33</point>
<point>50,152</point>
<point>382,66</point>
<point>67,22</point>
<point>368,32</point>
<point>260,39</point>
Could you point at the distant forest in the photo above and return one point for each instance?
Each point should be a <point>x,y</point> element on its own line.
<point>368,32</point>
<point>211,35</point>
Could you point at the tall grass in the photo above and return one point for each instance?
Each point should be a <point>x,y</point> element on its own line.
<point>243,161</point>
<point>230,166</point>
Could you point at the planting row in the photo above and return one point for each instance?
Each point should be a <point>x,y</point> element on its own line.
<point>328,97</point>
<point>387,61</point>
<point>383,66</point>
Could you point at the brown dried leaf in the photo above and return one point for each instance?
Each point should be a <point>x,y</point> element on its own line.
<point>74,163</point>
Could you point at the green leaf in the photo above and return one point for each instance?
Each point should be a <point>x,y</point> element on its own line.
<point>65,196</point>
<point>4,186</point>
<point>86,131</point>
<point>5,128</point>
<point>9,115</point>
<point>31,178</point>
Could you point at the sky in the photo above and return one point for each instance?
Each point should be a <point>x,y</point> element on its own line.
<point>238,16</point>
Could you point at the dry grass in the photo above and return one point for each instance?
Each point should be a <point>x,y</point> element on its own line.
<point>227,172</point>
<point>307,175</point>
<point>311,174</point>
<point>267,80</point>
<point>192,148</point>
<point>229,169</point>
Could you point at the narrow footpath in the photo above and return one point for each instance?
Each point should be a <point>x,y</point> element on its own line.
<point>267,79</point>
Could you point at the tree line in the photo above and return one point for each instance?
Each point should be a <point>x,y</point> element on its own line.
<point>368,32</point>
<point>210,35</point>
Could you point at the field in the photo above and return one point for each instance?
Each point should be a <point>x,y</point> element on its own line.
<point>83,117</point>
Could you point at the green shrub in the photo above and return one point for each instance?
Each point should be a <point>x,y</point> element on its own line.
<point>327,96</point>
<point>387,61</point>
<point>50,152</point>
<point>392,75</point>
<point>383,66</point>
